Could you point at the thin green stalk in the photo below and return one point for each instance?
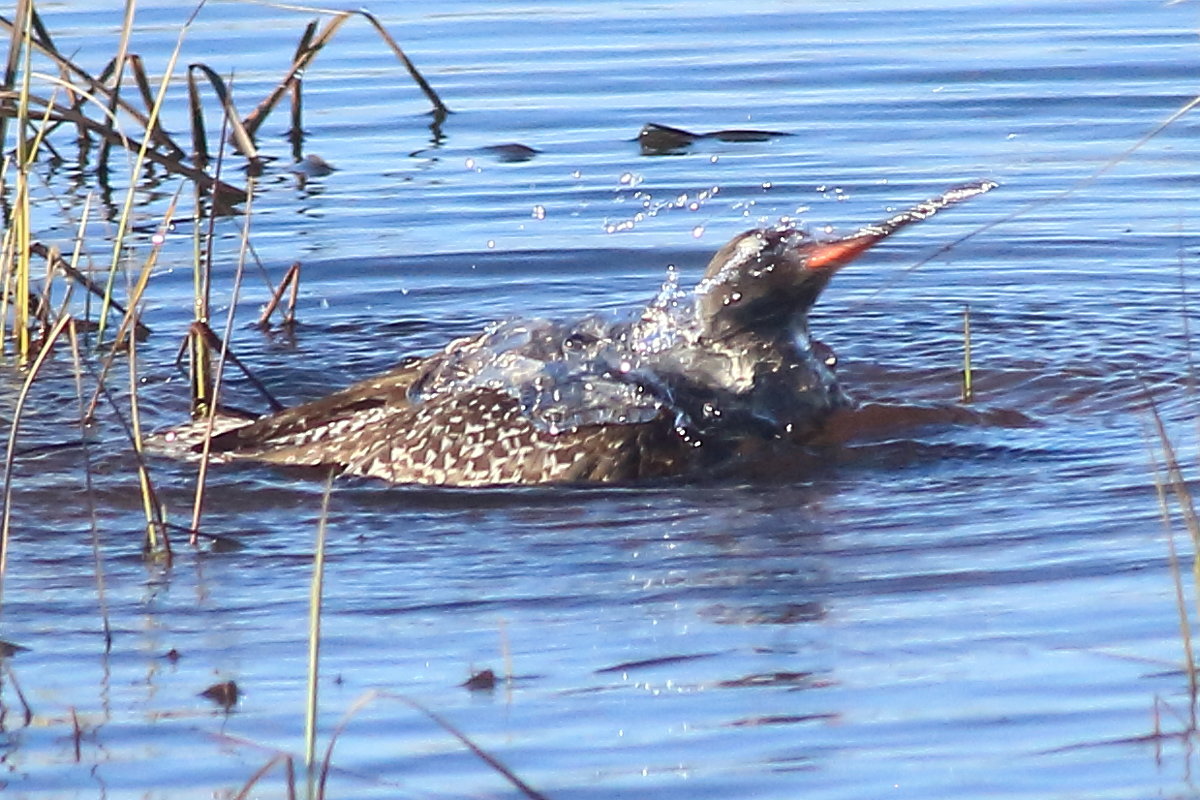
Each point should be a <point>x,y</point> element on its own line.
<point>968,391</point>
<point>117,74</point>
<point>316,592</point>
<point>11,452</point>
<point>21,213</point>
<point>97,560</point>
<point>139,161</point>
<point>202,474</point>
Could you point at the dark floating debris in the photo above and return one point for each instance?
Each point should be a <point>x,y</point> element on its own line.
<point>223,694</point>
<point>511,153</point>
<point>628,666</point>
<point>313,166</point>
<point>483,681</point>
<point>660,140</point>
<point>8,649</point>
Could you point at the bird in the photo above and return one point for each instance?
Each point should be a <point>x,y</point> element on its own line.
<point>693,380</point>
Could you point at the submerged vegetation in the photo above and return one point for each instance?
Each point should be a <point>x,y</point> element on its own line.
<point>48,101</point>
<point>57,309</point>
<point>53,305</point>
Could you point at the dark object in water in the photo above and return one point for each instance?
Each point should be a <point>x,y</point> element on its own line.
<point>223,694</point>
<point>313,166</point>
<point>9,649</point>
<point>483,681</point>
<point>511,153</point>
<point>695,380</point>
<point>659,140</point>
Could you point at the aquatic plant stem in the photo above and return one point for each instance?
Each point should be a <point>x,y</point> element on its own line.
<point>1181,608</point>
<point>1183,499</point>
<point>10,453</point>
<point>316,592</point>
<point>968,391</point>
<point>206,449</point>
<point>139,161</point>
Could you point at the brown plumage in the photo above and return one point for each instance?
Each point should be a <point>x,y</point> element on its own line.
<point>684,387</point>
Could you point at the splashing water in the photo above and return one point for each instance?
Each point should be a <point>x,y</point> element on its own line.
<point>597,370</point>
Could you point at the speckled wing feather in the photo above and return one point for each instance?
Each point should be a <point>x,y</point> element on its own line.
<point>478,437</point>
<point>482,438</point>
<point>295,435</point>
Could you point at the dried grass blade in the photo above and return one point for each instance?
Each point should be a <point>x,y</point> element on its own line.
<point>1181,608</point>
<point>291,279</point>
<point>439,107</point>
<point>158,541</point>
<point>10,453</point>
<point>143,83</point>
<point>76,275</point>
<point>479,752</point>
<point>114,78</point>
<point>241,136</point>
<point>200,156</point>
<point>316,592</point>
<point>202,473</point>
<point>92,84</point>
<point>15,50</point>
<point>127,208</point>
<point>221,191</point>
<point>261,772</point>
<point>303,58</point>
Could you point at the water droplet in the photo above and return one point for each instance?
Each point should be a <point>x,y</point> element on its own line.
<point>697,231</point>
<point>491,243</point>
<point>539,212</point>
<point>470,163</point>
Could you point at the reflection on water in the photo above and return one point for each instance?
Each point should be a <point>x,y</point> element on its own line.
<point>943,600</point>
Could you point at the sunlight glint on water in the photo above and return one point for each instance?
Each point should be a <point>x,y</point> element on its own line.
<point>980,609</point>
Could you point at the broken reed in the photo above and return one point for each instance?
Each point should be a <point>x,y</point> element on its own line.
<point>101,110</point>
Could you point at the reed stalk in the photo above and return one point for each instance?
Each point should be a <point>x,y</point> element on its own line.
<point>316,593</point>
<point>210,422</point>
<point>1181,607</point>
<point>11,451</point>
<point>968,391</point>
<point>139,161</point>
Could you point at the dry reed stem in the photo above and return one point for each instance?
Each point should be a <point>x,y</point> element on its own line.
<point>367,698</point>
<point>968,389</point>
<point>206,449</point>
<point>158,542</point>
<point>315,595</point>
<point>96,86</point>
<point>1187,510</point>
<point>241,136</point>
<point>21,212</point>
<point>306,55</point>
<point>291,279</point>
<point>264,769</point>
<point>6,668</point>
<point>15,50</point>
<point>10,453</point>
<point>97,558</point>
<point>127,208</point>
<point>116,74</point>
<point>1185,628</point>
<point>299,64</point>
